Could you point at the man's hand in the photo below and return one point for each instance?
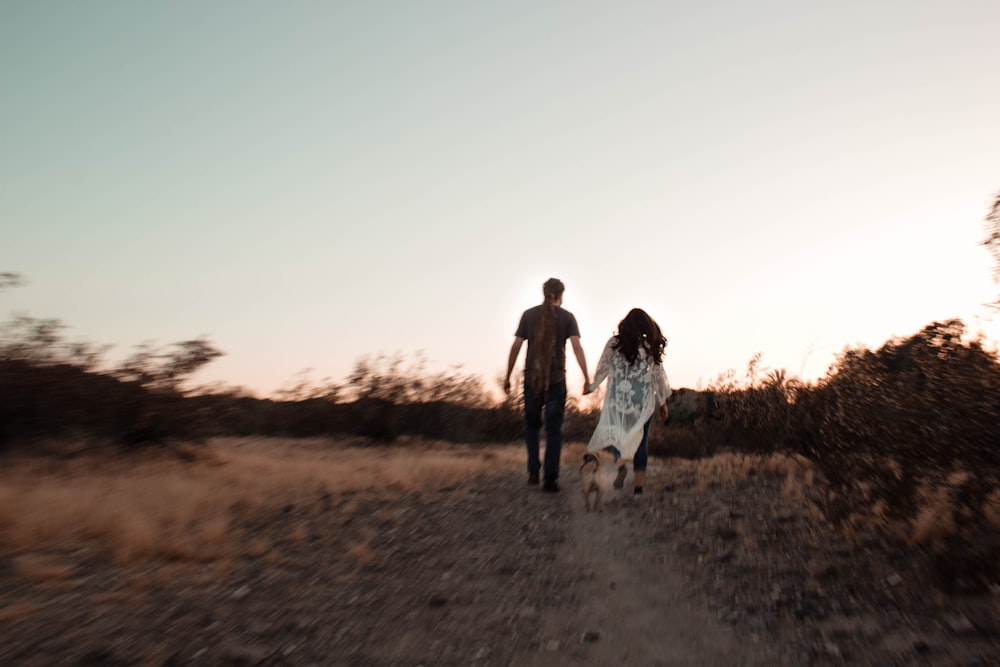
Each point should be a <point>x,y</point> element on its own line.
<point>515,349</point>
<point>664,413</point>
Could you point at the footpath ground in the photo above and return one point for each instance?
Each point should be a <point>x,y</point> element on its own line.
<point>631,604</point>
<point>260,552</point>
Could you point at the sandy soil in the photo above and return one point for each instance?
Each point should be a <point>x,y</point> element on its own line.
<point>262,552</point>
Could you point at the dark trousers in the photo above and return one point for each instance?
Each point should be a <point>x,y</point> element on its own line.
<point>553,406</point>
<point>641,458</point>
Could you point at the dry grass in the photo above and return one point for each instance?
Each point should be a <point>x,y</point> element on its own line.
<point>164,507</point>
<point>991,509</point>
<point>937,515</point>
<point>17,611</point>
<point>362,553</point>
<point>729,468</point>
<point>40,567</point>
<point>935,519</point>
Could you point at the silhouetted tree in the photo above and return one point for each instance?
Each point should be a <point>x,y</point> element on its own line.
<point>8,279</point>
<point>992,241</point>
<point>162,370</point>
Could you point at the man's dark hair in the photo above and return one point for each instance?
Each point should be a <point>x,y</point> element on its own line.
<point>545,336</point>
<point>552,288</point>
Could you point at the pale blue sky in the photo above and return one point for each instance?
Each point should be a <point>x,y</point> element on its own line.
<point>309,183</point>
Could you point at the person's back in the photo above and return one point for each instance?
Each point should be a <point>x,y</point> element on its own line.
<point>546,327</point>
<point>565,327</point>
<point>637,384</point>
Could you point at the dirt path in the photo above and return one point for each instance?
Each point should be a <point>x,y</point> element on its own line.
<point>632,606</point>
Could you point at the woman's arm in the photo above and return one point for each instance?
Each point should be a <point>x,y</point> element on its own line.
<point>661,385</point>
<point>661,391</point>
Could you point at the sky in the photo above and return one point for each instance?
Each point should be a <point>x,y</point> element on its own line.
<point>308,184</point>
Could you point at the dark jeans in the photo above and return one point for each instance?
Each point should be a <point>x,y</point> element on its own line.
<point>641,458</point>
<point>554,408</point>
<point>642,454</point>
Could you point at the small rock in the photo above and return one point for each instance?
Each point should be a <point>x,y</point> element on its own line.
<point>809,609</point>
<point>724,556</point>
<point>527,612</point>
<point>894,580</point>
<point>870,541</point>
<point>961,625</point>
<point>245,655</point>
<point>241,592</point>
<point>822,570</point>
<point>726,533</point>
<point>840,628</point>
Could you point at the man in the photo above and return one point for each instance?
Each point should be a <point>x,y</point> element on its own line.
<point>546,327</point>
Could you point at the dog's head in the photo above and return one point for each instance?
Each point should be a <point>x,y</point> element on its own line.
<point>590,459</point>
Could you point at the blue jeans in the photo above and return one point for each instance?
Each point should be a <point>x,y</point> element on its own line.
<point>554,407</point>
<point>641,458</point>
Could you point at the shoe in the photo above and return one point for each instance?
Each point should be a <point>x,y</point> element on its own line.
<point>638,491</point>
<point>533,479</point>
<point>620,479</point>
<point>550,487</point>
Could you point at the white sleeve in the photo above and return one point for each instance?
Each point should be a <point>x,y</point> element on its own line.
<point>661,385</point>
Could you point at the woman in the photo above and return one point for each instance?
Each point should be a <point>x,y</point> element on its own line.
<point>632,359</point>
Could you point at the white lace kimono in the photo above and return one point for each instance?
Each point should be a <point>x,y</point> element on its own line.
<point>634,393</point>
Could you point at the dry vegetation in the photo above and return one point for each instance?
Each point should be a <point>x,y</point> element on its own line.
<point>163,506</point>
<point>326,546</point>
<point>905,440</point>
<point>278,551</point>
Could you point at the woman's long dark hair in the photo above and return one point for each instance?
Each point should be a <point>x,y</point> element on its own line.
<point>545,337</point>
<point>637,329</point>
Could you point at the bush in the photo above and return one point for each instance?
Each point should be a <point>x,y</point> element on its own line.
<point>50,387</point>
<point>905,436</point>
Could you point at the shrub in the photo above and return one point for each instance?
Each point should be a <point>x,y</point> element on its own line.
<point>885,426</point>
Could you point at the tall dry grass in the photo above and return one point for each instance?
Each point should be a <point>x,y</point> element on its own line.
<point>163,507</point>
<point>800,474</point>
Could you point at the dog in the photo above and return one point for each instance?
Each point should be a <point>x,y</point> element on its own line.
<point>592,482</point>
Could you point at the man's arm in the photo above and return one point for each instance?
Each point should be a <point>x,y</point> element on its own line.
<point>515,350</point>
<point>582,360</point>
